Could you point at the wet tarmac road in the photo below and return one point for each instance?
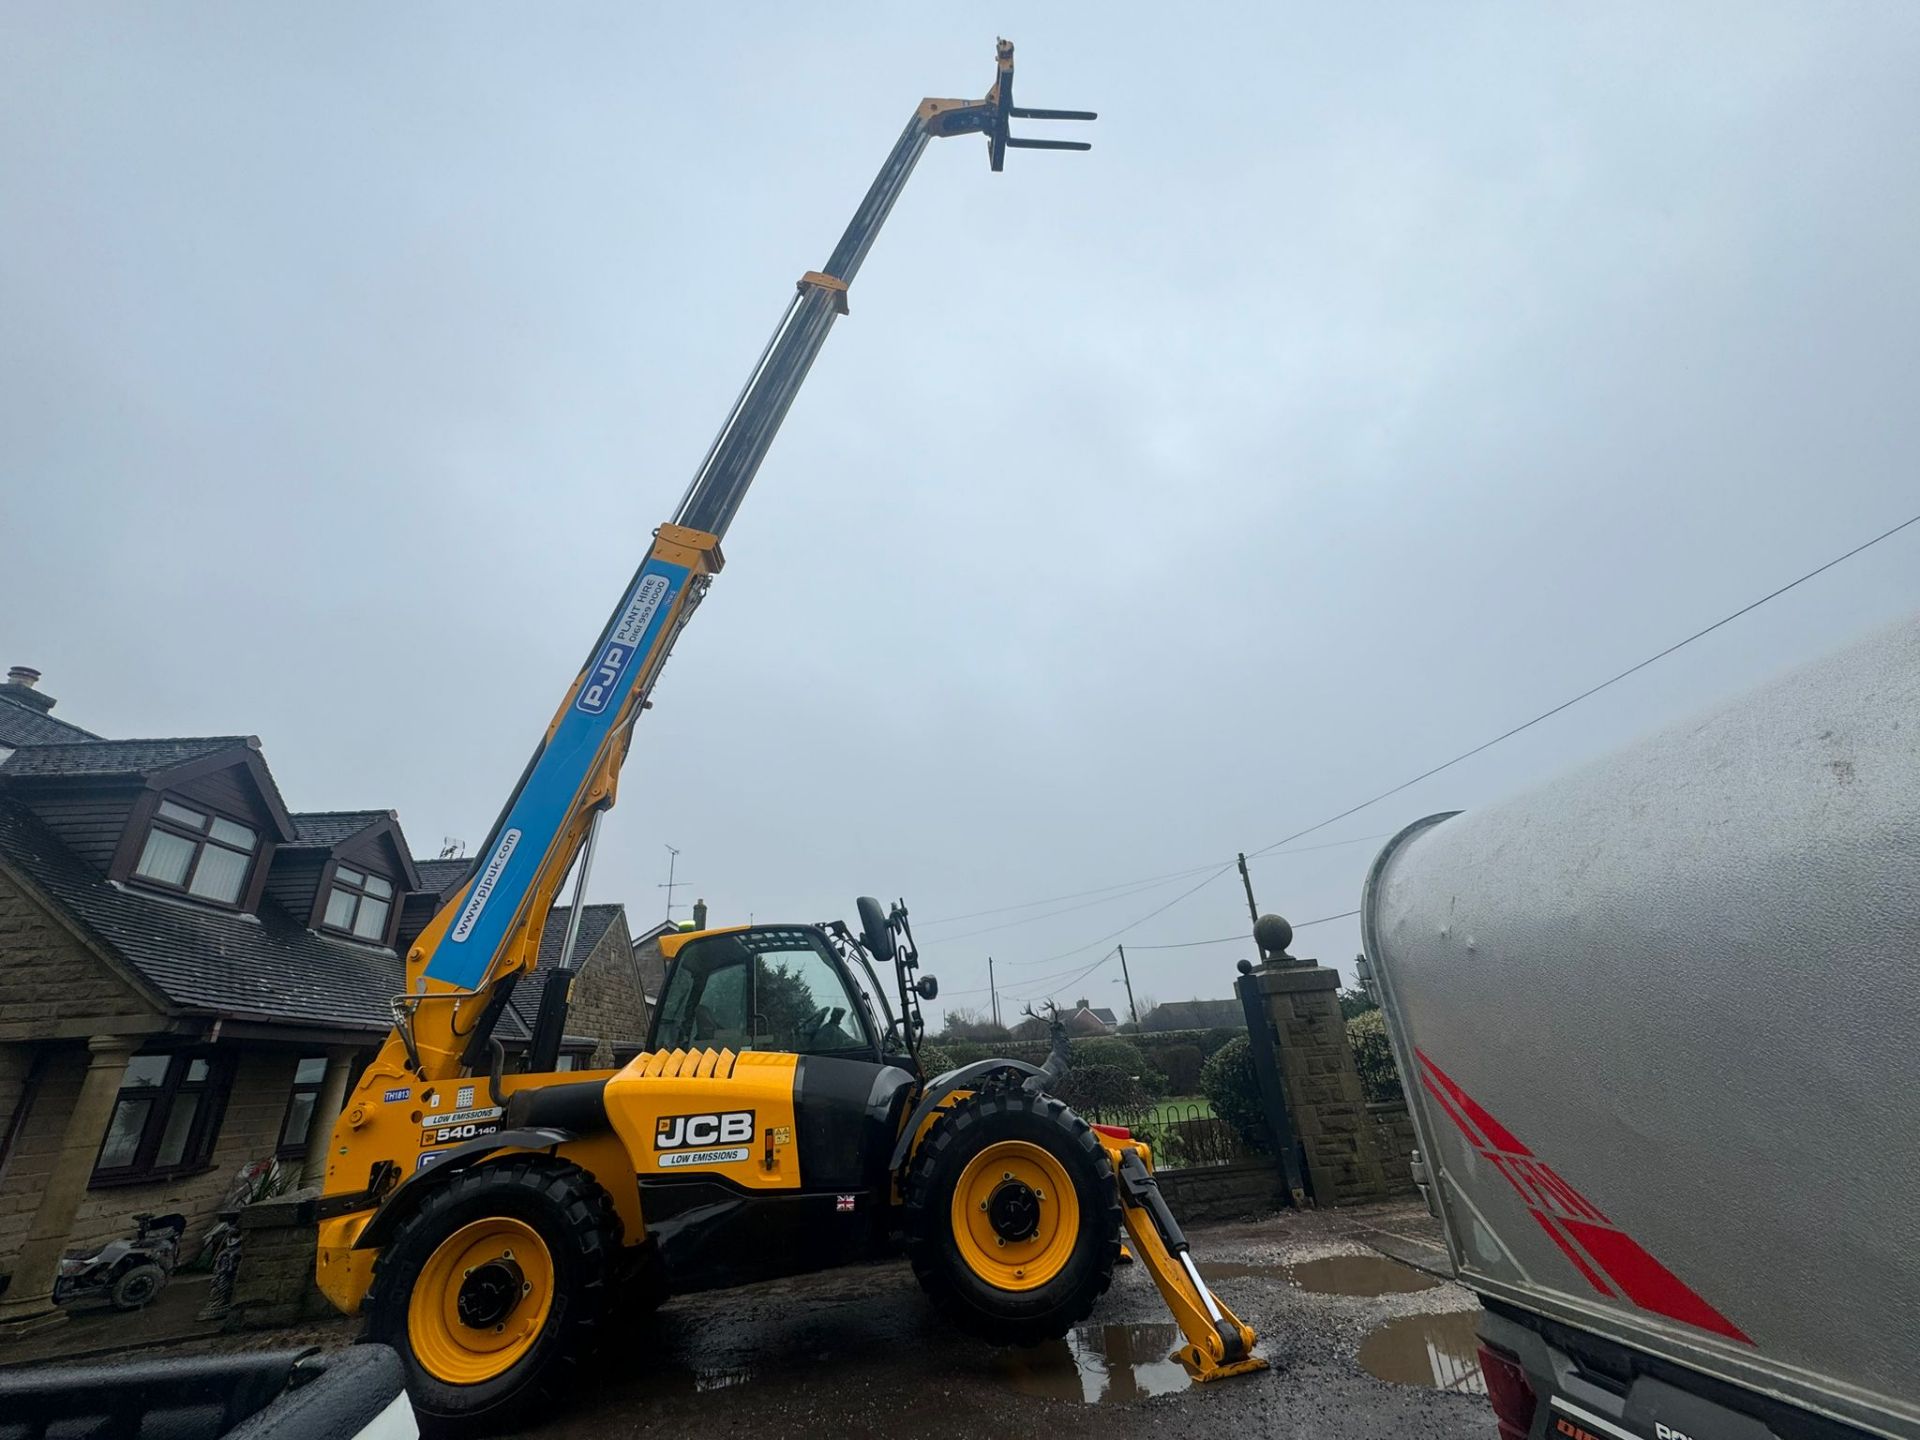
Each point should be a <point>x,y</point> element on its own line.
<point>860,1353</point>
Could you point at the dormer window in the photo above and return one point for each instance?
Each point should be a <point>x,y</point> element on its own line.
<point>202,854</point>
<point>358,904</point>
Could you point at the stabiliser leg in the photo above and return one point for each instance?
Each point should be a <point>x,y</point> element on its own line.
<point>1218,1343</point>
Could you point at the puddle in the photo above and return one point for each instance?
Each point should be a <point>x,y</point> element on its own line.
<point>1439,1351</point>
<point>1099,1365</point>
<point>1230,1270</point>
<point>1358,1275</point>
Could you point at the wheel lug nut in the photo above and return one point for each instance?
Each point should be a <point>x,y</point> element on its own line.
<point>506,1254</point>
<point>1006,1174</point>
<point>527,1289</point>
<point>983,1204</point>
<point>1020,1274</point>
<point>1001,1241</point>
<point>466,1272</point>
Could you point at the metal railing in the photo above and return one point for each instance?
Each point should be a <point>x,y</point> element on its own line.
<point>1183,1137</point>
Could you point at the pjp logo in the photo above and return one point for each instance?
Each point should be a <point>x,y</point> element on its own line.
<point>730,1127</point>
<point>602,683</point>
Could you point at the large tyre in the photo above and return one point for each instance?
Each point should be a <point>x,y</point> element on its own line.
<point>1012,1217</point>
<point>496,1290</point>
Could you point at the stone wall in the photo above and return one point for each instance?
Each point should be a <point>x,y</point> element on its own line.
<point>1394,1142</point>
<point>51,984</point>
<point>608,1000</point>
<point>275,1284</point>
<point>249,1130</point>
<point>1221,1192</point>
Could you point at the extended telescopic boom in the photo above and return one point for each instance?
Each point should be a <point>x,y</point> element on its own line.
<point>462,967</point>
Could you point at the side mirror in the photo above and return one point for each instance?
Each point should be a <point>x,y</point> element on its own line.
<point>874,929</point>
<point>926,987</point>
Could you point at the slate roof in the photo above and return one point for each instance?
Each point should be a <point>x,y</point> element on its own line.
<point>269,968</point>
<point>1195,1015</point>
<point>24,724</point>
<point>1103,1014</point>
<point>323,829</point>
<point>117,757</point>
<point>440,876</point>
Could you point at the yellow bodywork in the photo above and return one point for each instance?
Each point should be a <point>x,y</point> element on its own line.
<point>652,1089</point>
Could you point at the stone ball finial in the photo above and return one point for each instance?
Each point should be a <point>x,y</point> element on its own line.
<point>1245,967</point>
<point>1272,934</point>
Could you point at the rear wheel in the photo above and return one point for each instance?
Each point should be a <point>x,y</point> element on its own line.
<point>1013,1217</point>
<point>496,1289</point>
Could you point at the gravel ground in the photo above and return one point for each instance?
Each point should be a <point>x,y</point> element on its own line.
<point>858,1353</point>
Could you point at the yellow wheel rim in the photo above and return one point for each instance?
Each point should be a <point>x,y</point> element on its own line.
<point>1015,1215</point>
<point>481,1301</point>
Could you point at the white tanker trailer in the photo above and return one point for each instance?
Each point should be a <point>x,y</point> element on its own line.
<point>1660,1026</point>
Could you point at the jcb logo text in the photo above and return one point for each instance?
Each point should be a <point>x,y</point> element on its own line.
<point>731,1127</point>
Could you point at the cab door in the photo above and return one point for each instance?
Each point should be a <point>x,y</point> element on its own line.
<point>782,989</point>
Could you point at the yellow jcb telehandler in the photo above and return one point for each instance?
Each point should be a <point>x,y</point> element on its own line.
<point>491,1227</point>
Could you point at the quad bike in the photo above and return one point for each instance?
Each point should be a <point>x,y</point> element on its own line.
<point>127,1273</point>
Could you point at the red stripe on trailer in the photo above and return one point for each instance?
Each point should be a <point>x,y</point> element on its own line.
<point>1440,1097</point>
<point>1566,1248</point>
<point>1573,1221</point>
<point>1497,1134</point>
<point>1647,1282</point>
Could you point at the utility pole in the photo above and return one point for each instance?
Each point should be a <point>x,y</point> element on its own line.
<point>673,858</point>
<point>1253,910</point>
<point>993,992</point>
<point>1132,1008</point>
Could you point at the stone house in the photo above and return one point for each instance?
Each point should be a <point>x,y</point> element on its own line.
<point>1195,1015</point>
<point>191,975</point>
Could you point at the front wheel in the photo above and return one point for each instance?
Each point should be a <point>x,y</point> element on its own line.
<point>134,1287</point>
<point>496,1290</point>
<point>1013,1217</point>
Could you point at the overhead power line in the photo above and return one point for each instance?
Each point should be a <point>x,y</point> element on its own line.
<point>1120,893</point>
<point>1242,939</point>
<point>1464,755</point>
<point>1593,690</point>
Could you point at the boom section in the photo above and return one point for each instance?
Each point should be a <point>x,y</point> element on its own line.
<point>459,971</point>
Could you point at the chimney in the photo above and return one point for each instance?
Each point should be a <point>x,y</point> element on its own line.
<point>699,914</point>
<point>19,688</point>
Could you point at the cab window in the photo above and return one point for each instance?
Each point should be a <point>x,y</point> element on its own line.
<point>760,990</point>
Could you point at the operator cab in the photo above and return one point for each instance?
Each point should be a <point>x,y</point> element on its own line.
<point>766,988</point>
<point>795,989</point>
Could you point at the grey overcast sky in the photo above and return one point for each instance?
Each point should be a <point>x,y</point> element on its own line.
<point>1385,374</point>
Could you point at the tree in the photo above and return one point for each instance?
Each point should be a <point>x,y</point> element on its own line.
<point>962,1023</point>
<point>1356,1002</point>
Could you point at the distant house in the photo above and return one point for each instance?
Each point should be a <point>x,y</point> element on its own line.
<point>191,975</point>
<point>1081,1019</point>
<point>1085,1019</point>
<point>1195,1015</point>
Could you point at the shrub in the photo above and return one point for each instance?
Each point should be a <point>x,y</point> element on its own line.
<point>935,1060</point>
<point>1373,1056</point>
<point>1230,1084</point>
<point>1121,1055</point>
<point>1181,1064</point>
<point>1108,1090</point>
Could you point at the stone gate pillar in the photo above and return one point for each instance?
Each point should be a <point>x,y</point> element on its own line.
<point>1317,1072</point>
